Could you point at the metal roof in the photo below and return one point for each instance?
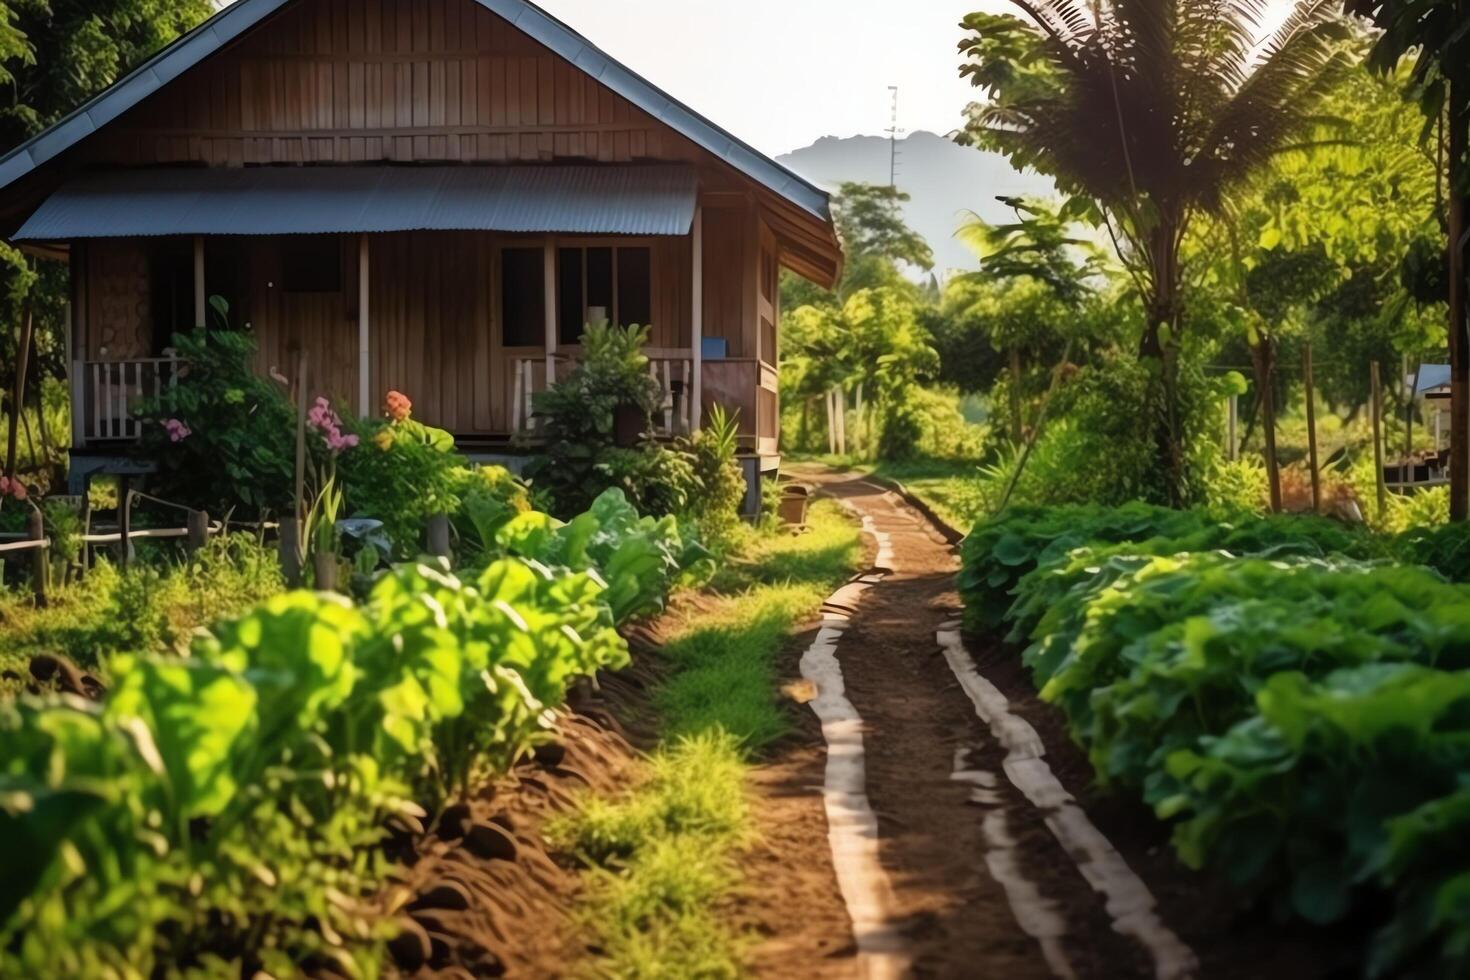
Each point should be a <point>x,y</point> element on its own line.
<point>234,20</point>
<point>1430,378</point>
<point>631,200</point>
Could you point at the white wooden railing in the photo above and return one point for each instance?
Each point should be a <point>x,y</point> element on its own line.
<point>106,393</point>
<point>674,372</point>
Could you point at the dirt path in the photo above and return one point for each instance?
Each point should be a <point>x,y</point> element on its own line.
<point>973,880</point>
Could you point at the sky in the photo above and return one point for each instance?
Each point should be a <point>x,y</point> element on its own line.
<point>779,74</point>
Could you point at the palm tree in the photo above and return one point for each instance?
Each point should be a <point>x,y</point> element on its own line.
<point>1438,33</point>
<point>1148,112</point>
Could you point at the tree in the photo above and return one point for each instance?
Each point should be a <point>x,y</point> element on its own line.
<point>54,55</point>
<point>1437,32</point>
<point>879,245</point>
<point>1034,261</point>
<point>1148,112</point>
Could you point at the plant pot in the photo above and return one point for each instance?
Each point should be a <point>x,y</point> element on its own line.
<point>628,425</point>
<point>794,501</point>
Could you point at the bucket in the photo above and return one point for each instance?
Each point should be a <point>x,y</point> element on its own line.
<point>794,501</point>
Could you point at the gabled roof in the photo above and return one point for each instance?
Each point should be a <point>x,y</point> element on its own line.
<point>233,21</point>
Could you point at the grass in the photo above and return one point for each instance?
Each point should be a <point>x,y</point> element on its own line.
<point>950,486</point>
<point>153,606</point>
<point>663,857</point>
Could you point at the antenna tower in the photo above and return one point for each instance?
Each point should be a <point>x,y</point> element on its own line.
<point>893,134</point>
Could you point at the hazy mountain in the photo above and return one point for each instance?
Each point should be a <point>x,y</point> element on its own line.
<point>943,178</point>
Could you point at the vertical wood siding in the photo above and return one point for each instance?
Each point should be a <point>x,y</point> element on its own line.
<point>348,81</point>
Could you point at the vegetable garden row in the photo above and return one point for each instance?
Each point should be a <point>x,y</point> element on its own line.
<point>228,811</point>
<point>1290,694</point>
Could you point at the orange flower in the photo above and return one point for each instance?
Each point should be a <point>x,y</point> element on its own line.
<point>397,406</point>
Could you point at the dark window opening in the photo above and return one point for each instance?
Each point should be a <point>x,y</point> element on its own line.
<point>602,284</point>
<point>635,287</point>
<point>171,290</point>
<point>311,264</point>
<point>523,297</point>
<point>571,309</point>
<point>227,275</point>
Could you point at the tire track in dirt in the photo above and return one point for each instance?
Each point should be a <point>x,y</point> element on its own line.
<point>980,886</point>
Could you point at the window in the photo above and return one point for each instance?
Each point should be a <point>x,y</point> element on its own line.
<point>311,264</point>
<point>171,289</point>
<point>523,297</point>
<point>602,283</point>
<point>227,270</point>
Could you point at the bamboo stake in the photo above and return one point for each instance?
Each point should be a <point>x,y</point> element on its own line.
<point>21,362</point>
<point>1378,440</point>
<point>40,556</point>
<point>300,436</point>
<point>1312,427</point>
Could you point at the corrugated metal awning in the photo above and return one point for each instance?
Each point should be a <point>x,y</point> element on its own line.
<point>605,200</point>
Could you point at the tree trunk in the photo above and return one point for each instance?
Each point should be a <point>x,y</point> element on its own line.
<point>1163,316</point>
<point>1459,212</point>
<point>17,402</point>
<point>1264,356</point>
<point>1015,369</point>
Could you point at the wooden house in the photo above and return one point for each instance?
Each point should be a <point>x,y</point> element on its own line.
<point>432,196</point>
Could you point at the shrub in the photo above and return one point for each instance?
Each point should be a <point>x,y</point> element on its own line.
<point>223,437</point>
<point>401,473</point>
<point>578,416</point>
<point>714,505</point>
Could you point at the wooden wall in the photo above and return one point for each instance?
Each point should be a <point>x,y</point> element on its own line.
<point>433,308</point>
<point>377,80</point>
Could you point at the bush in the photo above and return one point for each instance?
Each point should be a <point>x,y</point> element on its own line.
<point>578,416</point>
<point>715,504</point>
<point>223,437</point>
<point>401,473</point>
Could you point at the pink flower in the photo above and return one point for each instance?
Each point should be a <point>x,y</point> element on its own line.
<point>177,431</point>
<point>18,490</point>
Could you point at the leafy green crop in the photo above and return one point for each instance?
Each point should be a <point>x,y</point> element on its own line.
<point>222,811</point>
<point>1295,703</point>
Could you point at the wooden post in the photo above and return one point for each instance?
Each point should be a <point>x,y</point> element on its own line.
<point>842,420</point>
<point>438,535</point>
<point>549,285</point>
<point>40,556</point>
<point>300,488</point>
<point>1311,427</point>
<point>1015,399</point>
<point>831,407</point>
<point>201,301</point>
<point>1413,397</point>
<point>17,407</point>
<point>198,524</point>
<point>124,518</point>
<point>289,551</point>
<point>696,321</point>
<point>1378,440</point>
<point>364,338</point>
<point>1232,424</point>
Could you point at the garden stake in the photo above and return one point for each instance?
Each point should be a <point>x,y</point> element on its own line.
<point>1311,428</point>
<point>40,557</point>
<point>1378,440</point>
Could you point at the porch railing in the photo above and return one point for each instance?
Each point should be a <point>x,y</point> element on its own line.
<point>674,372</point>
<point>106,395</point>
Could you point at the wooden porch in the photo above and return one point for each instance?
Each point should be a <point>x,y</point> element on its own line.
<point>470,325</point>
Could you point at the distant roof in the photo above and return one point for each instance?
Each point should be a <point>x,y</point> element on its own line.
<point>1431,377</point>
<point>629,200</point>
<point>234,20</point>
